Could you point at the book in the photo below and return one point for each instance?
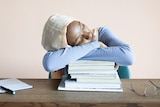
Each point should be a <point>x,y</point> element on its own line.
<point>95,77</point>
<point>91,71</point>
<point>92,75</point>
<point>13,84</point>
<point>90,62</point>
<point>100,80</point>
<point>88,66</point>
<point>110,83</point>
<point>62,87</point>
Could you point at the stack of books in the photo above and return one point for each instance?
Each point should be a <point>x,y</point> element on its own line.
<point>87,75</point>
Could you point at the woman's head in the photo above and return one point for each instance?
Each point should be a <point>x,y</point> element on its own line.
<point>78,34</point>
<point>61,31</point>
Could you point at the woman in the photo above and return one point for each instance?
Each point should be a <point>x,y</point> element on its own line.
<point>66,39</point>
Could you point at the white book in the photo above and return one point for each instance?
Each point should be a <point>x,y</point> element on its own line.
<point>110,76</point>
<point>99,80</point>
<point>62,87</point>
<point>14,84</point>
<point>90,67</point>
<point>75,84</point>
<point>116,79</point>
<point>91,62</point>
<point>92,71</point>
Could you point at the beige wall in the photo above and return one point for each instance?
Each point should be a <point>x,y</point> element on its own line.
<point>21,22</point>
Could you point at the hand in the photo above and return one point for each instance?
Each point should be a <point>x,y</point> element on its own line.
<point>102,45</point>
<point>95,37</point>
<point>95,34</point>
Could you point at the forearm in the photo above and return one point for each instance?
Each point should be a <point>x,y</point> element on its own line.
<point>117,50</point>
<point>53,61</point>
<point>121,55</point>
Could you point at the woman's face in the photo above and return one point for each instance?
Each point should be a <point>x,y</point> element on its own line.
<point>78,34</point>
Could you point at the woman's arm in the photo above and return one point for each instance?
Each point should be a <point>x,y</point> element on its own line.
<point>117,50</point>
<point>55,60</point>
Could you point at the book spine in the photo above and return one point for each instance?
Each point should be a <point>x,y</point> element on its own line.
<point>87,62</point>
<point>91,68</point>
<point>92,71</point>
<point>89,85</point>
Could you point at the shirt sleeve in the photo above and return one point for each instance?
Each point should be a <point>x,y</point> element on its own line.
<point>117,50</point>
<point>55,60</point>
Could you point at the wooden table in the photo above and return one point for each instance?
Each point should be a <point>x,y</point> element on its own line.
<point>44,94</point>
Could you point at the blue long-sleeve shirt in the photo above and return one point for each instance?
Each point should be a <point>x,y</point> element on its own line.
<point>117,51</point>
